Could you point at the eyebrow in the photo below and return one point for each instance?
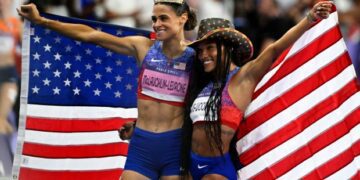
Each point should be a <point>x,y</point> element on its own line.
<point>160,16</point>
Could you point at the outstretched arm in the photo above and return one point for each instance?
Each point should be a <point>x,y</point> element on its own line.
<point>135,46</point>
<point>256,69</point>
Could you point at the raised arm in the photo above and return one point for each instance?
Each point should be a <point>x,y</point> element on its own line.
<point>133,45</point>
<point>256,69</point>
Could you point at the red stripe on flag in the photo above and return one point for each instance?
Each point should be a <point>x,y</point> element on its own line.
<point>294,94</point>
<point>74,125</point>
<point>303,121</point>
<point>281,58</point>
<point>356,176</point>
<point>335,164</point>
<point>326,138</point>
<point>83,151</point>
<point>323,42</point>
<point>26,173</point>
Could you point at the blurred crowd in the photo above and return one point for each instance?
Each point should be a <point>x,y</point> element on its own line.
<point>263,21</point>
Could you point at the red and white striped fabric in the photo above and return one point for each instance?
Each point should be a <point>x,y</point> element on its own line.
<point>72,104</point>
<point>304,120</point>
<point>52,150</point>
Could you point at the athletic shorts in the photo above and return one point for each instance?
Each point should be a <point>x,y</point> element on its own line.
<point>154,154</point>
<point>8,75</point>
<point>221,165</point>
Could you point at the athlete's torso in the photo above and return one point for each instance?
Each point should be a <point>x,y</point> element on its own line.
<point>230,114</point>
<point>230,117</point>
<point>162,88</point>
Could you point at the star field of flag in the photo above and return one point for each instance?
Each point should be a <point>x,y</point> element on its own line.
<point>68,72</point>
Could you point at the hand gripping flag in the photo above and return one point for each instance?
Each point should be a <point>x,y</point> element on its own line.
<point>304,120</point>
<point>74,97</point>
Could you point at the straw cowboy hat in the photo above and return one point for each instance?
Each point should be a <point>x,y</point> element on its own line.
<point>222,30</point>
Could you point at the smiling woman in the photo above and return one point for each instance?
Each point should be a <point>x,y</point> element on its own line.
<point>222,88</point>
<point>160,111</point>
<point>163,23</point>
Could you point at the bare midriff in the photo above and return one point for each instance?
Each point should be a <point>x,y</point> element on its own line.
<point>200,142</point>
<point>159,117</point>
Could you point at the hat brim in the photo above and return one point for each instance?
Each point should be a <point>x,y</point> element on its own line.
<point>239,41</point>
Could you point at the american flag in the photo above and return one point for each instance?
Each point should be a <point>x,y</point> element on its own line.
<point>304,120</point>
<point>74,98</point>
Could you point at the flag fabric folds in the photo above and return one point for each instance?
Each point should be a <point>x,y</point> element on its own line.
<point>304,120</point>
<point>74,97</point>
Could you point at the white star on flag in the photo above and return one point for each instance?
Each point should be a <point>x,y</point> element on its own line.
<point>56,90</point>
<point>57,56</point>
<point>76,91</point>
<point>57,73</point>
<point>67,65</point>
<point>97,92</point>
<point>117,94</point>
<point>37,39</point>
<point>47,47</point>
<point>87,83</point>
<point>77,74</point>
<point>35,90</point>
<point>78,57</point>
<point>108,85</point>
<point>47,65</point>
<point>36,73</point>
<point>36,56</point>
<point>46,82</point>
<point>67,82</point>
<point>98,76</point>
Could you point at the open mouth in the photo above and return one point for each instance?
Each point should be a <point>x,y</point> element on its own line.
<point>208,61</point>
<point>159,31</point>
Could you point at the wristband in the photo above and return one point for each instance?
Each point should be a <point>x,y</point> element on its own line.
<point>310,17</point>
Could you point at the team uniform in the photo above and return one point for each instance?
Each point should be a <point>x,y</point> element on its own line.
<point>231,117</point>
<point>158,154</point>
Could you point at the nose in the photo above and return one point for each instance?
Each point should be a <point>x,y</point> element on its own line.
<point>156,23</point>
<point>202,55</point>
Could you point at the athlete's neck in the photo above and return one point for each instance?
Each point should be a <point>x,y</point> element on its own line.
<point>173,48</point>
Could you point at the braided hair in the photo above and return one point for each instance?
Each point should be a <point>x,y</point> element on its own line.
<point>199,80</point>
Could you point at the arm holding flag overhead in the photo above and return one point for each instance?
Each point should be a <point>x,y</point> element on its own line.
<point>303,120</point>
<point>251,73</point>
<point>136,46</point>
<point>72,95</point>
<point>262,63</point>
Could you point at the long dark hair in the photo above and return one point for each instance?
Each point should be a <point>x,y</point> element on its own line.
<point>199,80</point>
<point>180,9</point>
<point>212,108</point>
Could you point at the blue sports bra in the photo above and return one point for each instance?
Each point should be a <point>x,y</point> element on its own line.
<point>165,80</point>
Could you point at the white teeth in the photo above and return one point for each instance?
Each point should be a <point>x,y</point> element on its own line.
<point>207,62</point>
